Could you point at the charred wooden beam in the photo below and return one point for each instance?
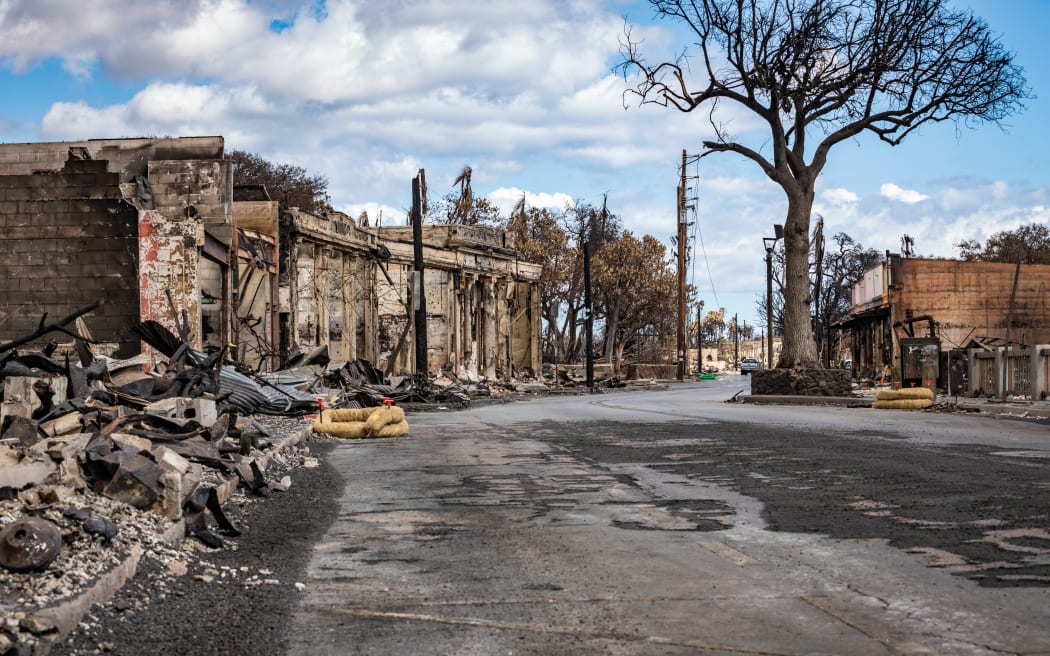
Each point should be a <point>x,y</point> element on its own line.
<point>59,326</point>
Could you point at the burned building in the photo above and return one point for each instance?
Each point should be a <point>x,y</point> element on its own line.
<point>928,307</point>
<point>349,287</point>
<point>483,316</point>
<point>159,230</point>
<point>327,294</point>
<point>149,226</point>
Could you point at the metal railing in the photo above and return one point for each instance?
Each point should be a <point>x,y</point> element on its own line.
<point>1020,373</point>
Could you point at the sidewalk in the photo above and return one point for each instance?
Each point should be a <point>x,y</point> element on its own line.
<point>1031,410</point>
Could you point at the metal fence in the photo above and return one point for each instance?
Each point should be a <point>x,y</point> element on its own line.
<point>1000,373</point>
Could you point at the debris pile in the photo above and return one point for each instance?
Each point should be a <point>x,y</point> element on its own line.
<point>100,459</point>
<point>103,460</point>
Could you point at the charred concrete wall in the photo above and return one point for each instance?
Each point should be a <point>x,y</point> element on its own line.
<point>328,286</point>
<point>122,220</point>
<point>984,301</point>
<point>482,302</point>
<point>348,287</point>
<point>186,196</point>
<point>67,239</point>
<point>127,157</point>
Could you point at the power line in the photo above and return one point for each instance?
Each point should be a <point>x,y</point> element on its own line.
<point>699,237</point>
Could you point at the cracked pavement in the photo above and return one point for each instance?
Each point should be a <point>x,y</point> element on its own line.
<point>669,522</point>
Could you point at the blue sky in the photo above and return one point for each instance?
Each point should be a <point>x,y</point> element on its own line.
<point>366,92</point>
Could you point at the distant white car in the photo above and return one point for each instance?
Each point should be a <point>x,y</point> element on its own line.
<point>747,365</point>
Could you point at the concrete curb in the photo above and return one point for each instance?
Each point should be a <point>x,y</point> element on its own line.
<point>66,616</point>
<point>785,399</point>
<point>1019,411</point>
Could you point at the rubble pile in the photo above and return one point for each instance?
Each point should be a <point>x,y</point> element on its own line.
<point>101,461</point>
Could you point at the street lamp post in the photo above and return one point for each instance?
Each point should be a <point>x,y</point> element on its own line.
<point>769,243</point>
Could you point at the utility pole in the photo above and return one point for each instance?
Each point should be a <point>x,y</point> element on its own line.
<point>699,338</point>
<point>736,341</point>
<point>419,300</point>
<point>682,255</point>
<point>769,307</point>
<point>587,303</point>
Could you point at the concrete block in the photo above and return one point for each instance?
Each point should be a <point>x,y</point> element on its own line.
<point>63,425</point>
<point>191,479</point>
<point>203,411</point>
<point>162,408</point>
<point>171,461</point>
<point>25,473</point>
<point>136,483</point>
<point>67,447</point>
<point>171,497</point>
<point>22,429</point>
<point>16,409</point>
<point>132,443</point>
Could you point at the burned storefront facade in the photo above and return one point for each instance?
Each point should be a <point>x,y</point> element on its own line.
<point>159,229</point>
<point>349,287</point>
<point>912,319</point>
<point>482,302</point>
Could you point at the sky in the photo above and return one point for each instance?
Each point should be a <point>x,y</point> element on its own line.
<point>367,92</point>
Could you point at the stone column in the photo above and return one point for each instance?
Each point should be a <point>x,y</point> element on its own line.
<point>471,333</point>
<point>490,329</point>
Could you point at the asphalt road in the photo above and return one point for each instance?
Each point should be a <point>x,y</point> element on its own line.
<point>645,523</point>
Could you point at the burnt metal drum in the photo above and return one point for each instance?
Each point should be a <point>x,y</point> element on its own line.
<point>29,544</point>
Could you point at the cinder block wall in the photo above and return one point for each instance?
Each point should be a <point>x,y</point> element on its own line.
<point>66,240</point>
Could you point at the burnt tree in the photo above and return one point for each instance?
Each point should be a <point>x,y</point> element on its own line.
<point>817,73</point>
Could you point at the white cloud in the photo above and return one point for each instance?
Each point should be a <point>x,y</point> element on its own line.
<point>838,196</point>
<point>505,198</point>
<point>74,121</point>
<point>160,109</point>
<point>893,192</point>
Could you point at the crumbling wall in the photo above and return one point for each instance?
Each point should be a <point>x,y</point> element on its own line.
<point>67,239</point>
<point>482,302</point>
<point>121,220</point>
<point>524,339</point>
<point>332,298</point>
<point>438,309</point>
<point>309,311</point>
<point>210,277</point>
<point>974,299</point>
<point>390,307</point>
<point>361,280</point>
<point>168,269</point>
<point>328,287</point>
<point>126,157</point>
<point>185,195</point>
